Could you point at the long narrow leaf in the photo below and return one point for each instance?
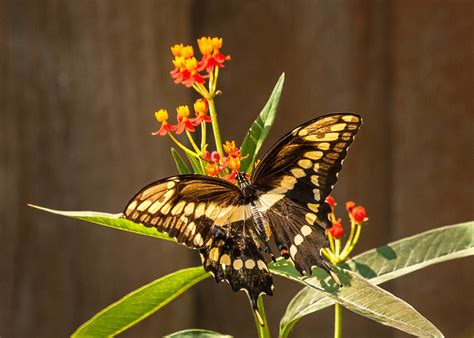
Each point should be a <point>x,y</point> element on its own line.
<point>109,220</point>
<point>195,164</point>
<point>259,130</point>
<point>364,298</point>
<point>388,262</point>
<point>180,164</point>
<point>139,304</point>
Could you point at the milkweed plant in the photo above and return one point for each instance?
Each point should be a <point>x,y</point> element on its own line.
<point>201,149</point>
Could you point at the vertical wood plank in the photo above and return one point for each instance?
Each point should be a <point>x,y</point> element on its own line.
<point>82,81</point>
<point>432,117</point>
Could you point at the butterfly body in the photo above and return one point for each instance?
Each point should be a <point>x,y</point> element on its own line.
<point>232,225</point>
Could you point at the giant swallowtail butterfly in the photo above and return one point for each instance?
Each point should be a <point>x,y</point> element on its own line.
<point>232,225</point>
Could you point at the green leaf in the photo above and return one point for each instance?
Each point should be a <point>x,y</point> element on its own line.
<point>109,220</point>
<point>195,164</point>
<point>364,298</point>
<point>191,333</point>
<point>139,304</point>
<point>388,262</point>
<point>180,164</point>
<point>259,130</point>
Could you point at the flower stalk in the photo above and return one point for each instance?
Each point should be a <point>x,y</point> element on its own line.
<point>336,256</point>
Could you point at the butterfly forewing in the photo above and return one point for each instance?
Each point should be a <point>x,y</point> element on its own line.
<point>187,207</point>
<point>295,178</point>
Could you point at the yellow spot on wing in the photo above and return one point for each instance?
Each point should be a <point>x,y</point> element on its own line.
<point>199,210</point>
<point>225,259</point>
<point>144,205</point>
<point>324,146</point>
<point>306,230</point>
<point>132,205</point>
<point>349,118</point>
<point>310,218</point>
<point>313,207</point>
<point>338,127</point>
<point>298,173</point>
<point>214,254</point>
<point>293,251</point>
<point>238,264</point>
<point>314,155</point>
<point>298,239</point>
<point>306,164</point>
<point>189,208</point>
<point>178,208</point>
<point>249,263</point>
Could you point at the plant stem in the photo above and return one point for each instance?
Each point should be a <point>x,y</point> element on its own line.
<point>263,330</point>
<point>215,127</point>
<point>331,242</point>
<point>196,149</point>
<point>179,144</point>
<point>347,248</point>
<point>337,321</point>
<point>203,137</point>
<point>214,83</point>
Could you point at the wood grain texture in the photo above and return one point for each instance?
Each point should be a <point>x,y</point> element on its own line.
<point>82,81</point>
<point>433,119</point>
<point>79,81</point>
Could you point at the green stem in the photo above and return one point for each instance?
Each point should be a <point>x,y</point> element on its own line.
<point>191,140</point>
<point>347,248</point>
<point>215,127</point>
<point>337,321</point>
<point>338,249</point>
<point>186,150</point>
<point>331,242</point>
<point>214,82</point>
<point>263,330</point>
<point>329,255</point>
<point>197,150</point>
<point>203,137</point>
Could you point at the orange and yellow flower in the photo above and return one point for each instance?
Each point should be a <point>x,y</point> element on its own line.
<point>185,66</point>
<point>201,107</point>
<point>162,116</point>
<point>184,122</point>
<point>212,169</point>
<point>211,55</point>
<point>231,149</point>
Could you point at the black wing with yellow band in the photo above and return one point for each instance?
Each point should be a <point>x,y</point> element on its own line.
<point>294,179</point>
<point>187,207</point>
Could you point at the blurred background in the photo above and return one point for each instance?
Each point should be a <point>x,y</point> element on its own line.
<point>80,81</point>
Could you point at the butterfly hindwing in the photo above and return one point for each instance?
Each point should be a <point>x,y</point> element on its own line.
<point>235,258</point>
<point>296,176</point>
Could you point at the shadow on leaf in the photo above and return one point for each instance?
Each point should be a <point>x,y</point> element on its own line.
<point>386,252</point>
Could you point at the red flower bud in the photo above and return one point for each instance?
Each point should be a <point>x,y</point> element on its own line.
<point>359,214</point>
<point>350,205</point>
<point>215,156</point>
<point>336,230</point>
<point>330,201</point>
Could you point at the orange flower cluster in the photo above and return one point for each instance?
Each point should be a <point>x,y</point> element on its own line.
<point>184,121</point>
<point>188,70</point>
<point>357,214</point>
<point>217,165</point>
